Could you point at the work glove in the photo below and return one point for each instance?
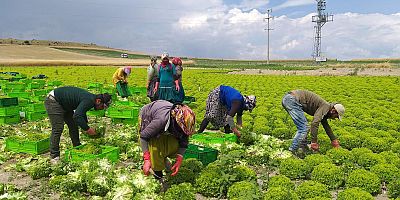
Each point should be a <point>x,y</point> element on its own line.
<point>177,165</point>
<point>335,143</point>
<point>91,132</point>
<point>147,163</point>
<point>315,146</point>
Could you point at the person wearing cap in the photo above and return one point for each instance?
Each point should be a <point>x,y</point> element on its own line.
<point>164,130</point>
<point>167,85</point>
<point>68,105</point>
<point>152,76</point>
<point>223,103</point>
<point>120,80</point>
<point>178,66</point>
<point>298,102</point>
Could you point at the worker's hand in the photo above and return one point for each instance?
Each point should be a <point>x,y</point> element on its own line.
<point>177,87</point>
<point>91,131</point>
<point>147,163</point>
<point>177,165</point>
<point>155,90</point>
<point>315,146</point>
<point>335,143</point>
<point>236,132</point>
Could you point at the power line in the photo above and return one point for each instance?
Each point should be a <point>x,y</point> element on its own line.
<point>269,17</point>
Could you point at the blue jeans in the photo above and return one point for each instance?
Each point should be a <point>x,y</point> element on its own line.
<point>294,108</point>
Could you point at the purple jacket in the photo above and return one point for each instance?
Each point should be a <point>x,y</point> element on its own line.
<point>155,119</point>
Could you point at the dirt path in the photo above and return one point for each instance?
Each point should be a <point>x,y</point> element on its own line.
<point>326,72</point>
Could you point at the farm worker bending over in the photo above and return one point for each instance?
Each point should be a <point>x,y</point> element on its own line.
<point>120,80</point>
<point>152,76</point>
<point>178,66</point>
<point>297,102</point>
<point>69,105</point>
<point>164,132</point>
<point>223,103</point>
<point>167,84</point>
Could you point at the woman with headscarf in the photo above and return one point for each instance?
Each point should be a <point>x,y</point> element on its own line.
<point>178,66</point>
<point>223,103</point>
<point>167,85</point>
<point>152,76</point>
<point>165,129</point>
<point>120,80</point>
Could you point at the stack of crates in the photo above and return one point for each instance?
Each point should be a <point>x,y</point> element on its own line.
<point>36,84</point>
<point>14,87</point>
<point>35,112</point>
<point>39,95</point>
<point>125,112</point>
<point>54,83</point>
<point>9,110</point>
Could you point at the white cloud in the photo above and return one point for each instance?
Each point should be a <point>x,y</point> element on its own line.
<point>290,45</point>
<point>252,4</point>
<point>294,3</point>
<point>193,22</point>
<point>207,29</point>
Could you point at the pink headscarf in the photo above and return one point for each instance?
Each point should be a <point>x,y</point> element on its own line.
<point>127,70</point>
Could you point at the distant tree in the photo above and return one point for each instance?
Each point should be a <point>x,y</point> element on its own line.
<point>26,42</point>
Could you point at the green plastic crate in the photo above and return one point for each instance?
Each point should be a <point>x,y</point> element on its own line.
<point>34,85</point>
<point>109,90</point>
<point>39,81</point>
<point>126,103</point>
<point>39,92</point>
<point>203,154</point>
<point>9,111</point>
<point>54,83</point>
<point>25,95</point>
<point>129,121</point>
<point>8,101</point>
<point>15,85</point>
<point>10,119</point>
<point>31,147</point>
<point>95,86</point>
<point>38,98</point>
<point>138,90</point>
<point>96,113</point>
<point>214,138</point>
<point>23,102</point>
<point>36,107</point>
<point>35,116</point>
<point>109,152</point>
<point>115,112</point>
<point>187,103</point>
<point>189,98</point>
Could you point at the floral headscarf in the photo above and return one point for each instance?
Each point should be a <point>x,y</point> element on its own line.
<point>185,118</point>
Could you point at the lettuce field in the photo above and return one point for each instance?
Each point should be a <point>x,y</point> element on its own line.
<point>258,166</point>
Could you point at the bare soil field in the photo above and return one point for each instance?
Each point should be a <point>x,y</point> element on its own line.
<point>326,72</point>
<point>43,55</point>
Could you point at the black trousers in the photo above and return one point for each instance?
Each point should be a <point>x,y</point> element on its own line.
<point>58,117</point>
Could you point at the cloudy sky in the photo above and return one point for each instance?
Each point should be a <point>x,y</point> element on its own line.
<point>210,28</point>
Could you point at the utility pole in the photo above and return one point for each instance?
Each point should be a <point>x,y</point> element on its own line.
<point>269,16</point>
<point>320,19</point>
